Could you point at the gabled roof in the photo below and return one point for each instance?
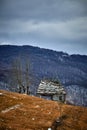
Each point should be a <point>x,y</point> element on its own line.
<point>50,88</point>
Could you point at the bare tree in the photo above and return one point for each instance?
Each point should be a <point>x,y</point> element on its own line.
<point>27,80</point>
<point>21,75</point>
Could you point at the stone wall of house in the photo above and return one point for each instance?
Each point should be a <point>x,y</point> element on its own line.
<point>52,90</point>
<point>60,97</point>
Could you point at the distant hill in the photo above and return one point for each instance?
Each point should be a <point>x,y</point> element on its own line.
<point>23,112</point>
<point>71,70</point>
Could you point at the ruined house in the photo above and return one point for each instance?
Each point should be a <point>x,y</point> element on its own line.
<point>52,90</point>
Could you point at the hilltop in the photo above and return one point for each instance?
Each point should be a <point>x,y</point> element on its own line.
<point>23,112</point>
<point>71,70</point>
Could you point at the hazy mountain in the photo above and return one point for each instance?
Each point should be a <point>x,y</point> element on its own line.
<point>71,70</point>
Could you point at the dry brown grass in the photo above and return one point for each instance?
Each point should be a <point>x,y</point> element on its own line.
<point>38,114</point>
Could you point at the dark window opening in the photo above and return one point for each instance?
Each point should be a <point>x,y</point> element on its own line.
<point>60,98</point>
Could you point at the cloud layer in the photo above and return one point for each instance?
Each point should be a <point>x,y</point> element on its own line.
<point>56,24</point>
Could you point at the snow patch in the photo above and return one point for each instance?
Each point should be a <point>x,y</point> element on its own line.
<point>11,108</point>
<point>49,112</point>
<point>15,97</point>
<point>33,119</point>
<point>37,106</point>
<point>49,129</point>
<point>1,94</point>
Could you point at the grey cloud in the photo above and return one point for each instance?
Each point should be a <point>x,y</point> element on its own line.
<point>43,10</point>
<point>73,30</point>
<point>45,22</point>
<point>76,27</point>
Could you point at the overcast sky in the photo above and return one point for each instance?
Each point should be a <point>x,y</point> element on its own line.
<point>56,24</point>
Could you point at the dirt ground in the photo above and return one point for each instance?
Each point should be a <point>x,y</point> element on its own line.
<point>23,112</point>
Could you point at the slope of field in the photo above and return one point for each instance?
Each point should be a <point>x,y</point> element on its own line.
<point>23,112</point>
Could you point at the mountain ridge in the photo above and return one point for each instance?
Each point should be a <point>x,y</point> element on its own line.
<point>71,70</point>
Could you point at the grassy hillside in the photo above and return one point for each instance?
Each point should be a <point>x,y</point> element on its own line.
<point>22,112</point>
